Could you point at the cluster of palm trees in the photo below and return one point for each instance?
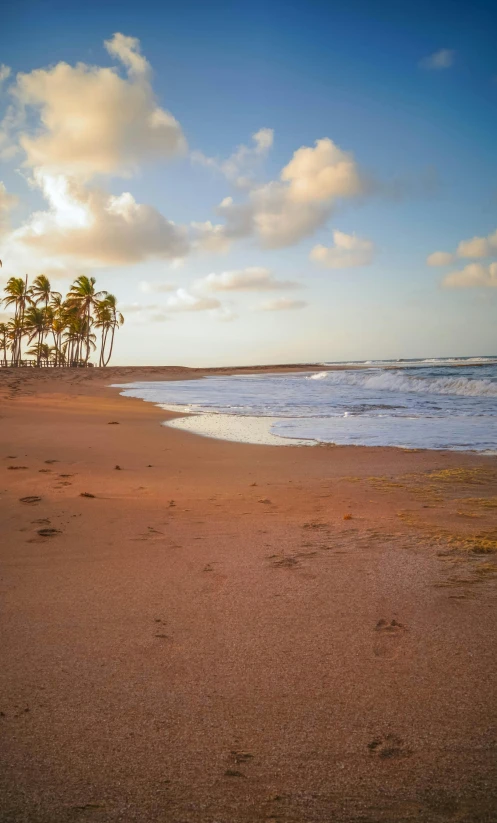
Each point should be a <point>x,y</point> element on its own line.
<point>53,331</point>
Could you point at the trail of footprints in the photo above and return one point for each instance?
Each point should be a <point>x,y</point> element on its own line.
<point>388,634</point>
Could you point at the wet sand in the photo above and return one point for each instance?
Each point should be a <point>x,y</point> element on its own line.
<point>197,631</point>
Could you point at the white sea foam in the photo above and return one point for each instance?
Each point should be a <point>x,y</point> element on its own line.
<point>254,430</point>
<point>395,382</point>
<point>436,407</point>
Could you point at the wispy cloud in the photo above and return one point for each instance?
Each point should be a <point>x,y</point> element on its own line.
<point>253,278</point>
<point>442,59</point>
<point>183,300</point>
<point>148,288</point>
<point>283,304</point>
<point>241,166</point>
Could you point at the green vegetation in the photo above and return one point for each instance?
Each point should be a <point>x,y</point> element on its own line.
<point>52,331</point>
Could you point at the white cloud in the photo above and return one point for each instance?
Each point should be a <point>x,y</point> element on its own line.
<point>143,313</point>
<point>478,246</point>
<point>253,278</point>
<point>440,258</point>
<point>7,203</point>
<point>321,173</point>
<point>147,287</point>
<point>225,314</point>
<point>93,121</point>
<point>99,229</point>
<point>240,167</point>
<point>474,275</point>
<point>4,73</point>
<point>210,237</point>
<point>137,308</point>
<point>283,304</point>
<point>442,59</point>
<point>347,252</point>
<point>474,248</point>
<point>128,51</point>
<point>282,212</point>
<point>183,300</point>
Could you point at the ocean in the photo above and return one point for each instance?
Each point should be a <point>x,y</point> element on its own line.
<point>439,403</point>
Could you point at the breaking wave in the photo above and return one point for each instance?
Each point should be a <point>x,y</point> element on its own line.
<point>395,382</point>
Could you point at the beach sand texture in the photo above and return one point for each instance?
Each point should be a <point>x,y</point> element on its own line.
<point>198,631</point>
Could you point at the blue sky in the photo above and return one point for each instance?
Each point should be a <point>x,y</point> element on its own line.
<point>407,94</point>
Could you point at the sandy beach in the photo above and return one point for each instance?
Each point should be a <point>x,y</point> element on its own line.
<point>198,631</point>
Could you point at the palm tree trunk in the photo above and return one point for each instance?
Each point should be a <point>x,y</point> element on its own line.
<point>111,344</point>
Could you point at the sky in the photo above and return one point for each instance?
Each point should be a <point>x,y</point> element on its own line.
<point>261,182</point>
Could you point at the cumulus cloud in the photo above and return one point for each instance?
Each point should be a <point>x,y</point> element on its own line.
<point>183,300</point>
<point>90,120</point>
<point>7,203</point>
<point>321,173</point>
<point>253,278</point>
<point>240,167</point>
<point>283,304</point>
<point>442,59</point>
<point>97,228</point>
<point>474,275</point>
<point>282,212</point>
<point>440,258</point>
<point>474,248</point>
<point>478,246</point>
<point>348,251</point>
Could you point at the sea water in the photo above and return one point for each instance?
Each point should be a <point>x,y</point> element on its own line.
<point>446,403</point>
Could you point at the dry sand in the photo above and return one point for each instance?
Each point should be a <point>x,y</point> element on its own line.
<point>223,633</point>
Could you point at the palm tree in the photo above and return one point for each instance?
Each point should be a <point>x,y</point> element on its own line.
<point>108,320</point>
<point>35,322</point>
<point>41,292</point>
<point>39,312</point>
<point>82,294</point>
<point>4,341</point>
<point>17,295</point>
<point>42,351</point>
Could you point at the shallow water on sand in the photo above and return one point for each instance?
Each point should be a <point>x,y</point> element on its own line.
<point>439,404</point>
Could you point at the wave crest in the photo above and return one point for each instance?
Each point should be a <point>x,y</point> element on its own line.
<point>394,382</point>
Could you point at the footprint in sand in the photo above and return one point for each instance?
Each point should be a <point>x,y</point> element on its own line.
<point>214,579</point>
<point>389,638</point>
<point>237,758</point>
<point>49,532</point>
<point>388,746</point>
<point>33,498</point>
